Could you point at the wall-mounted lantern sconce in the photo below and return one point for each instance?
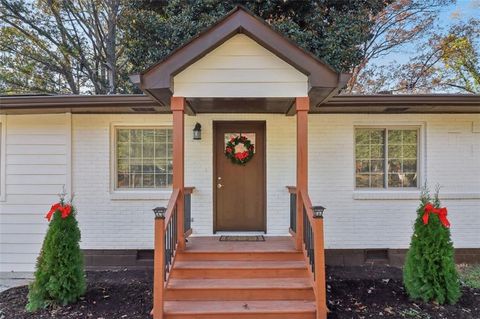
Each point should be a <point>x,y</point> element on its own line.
<point>197,132</point>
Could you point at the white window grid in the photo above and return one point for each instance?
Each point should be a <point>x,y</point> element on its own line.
<point>155,167</point>
<point>386,158</point>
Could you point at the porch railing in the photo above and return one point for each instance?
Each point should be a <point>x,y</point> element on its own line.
<point>166,242</point>
<point>311,232</point>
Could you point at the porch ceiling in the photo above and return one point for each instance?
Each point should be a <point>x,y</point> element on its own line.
<point>323,82</point>
<point>240,105</point>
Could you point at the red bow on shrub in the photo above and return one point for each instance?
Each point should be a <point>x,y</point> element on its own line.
<point>441,212</point>
<point>65,210</point>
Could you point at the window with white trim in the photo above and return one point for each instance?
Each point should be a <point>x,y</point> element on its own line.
<point>143,158</point>
<point>386,157</point>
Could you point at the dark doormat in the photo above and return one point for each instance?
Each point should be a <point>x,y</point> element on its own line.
<point>242,238</point>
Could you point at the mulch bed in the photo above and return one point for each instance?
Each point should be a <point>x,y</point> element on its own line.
<point>356,292</point>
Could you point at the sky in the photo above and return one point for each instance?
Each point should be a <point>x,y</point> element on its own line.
<point>462,10</point>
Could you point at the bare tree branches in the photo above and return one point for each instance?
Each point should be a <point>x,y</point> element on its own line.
<point>76,40</point>
<point>399,23</point>
<point>445,62</point>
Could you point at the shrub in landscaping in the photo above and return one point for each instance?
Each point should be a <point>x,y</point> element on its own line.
<point>59,275</point>
<point>429,273</point>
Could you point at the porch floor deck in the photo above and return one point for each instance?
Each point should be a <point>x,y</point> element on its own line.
<point>213,244</point>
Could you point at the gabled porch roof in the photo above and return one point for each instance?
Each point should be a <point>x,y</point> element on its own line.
<point>323,81</point>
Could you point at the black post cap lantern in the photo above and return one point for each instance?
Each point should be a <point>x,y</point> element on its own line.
<point>318,211</point>
<point>197,131</point>
<point>160,212</point>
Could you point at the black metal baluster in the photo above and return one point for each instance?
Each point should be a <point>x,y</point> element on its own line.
<point>293,212</point>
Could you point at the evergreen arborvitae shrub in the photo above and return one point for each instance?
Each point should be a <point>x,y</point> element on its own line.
<point>59,275</point>
<point>429,273</point>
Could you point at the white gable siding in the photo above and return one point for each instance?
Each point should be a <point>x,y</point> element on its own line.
<point>35,172</point>
<point>240,67</point>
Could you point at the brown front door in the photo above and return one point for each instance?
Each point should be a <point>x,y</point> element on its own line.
<point>239,190</point>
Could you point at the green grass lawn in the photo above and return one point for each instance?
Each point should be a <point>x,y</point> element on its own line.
<point>470,275</point>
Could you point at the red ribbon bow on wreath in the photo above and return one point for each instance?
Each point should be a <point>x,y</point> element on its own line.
<point>64,209</point>
<point>441,212</point>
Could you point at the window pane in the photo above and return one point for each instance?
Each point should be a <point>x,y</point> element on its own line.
<point>143,157</point>
<point>148,166</point>
<point>123,166</point>
<point>363,151</point>
<point>123,150</point>
<point>376,166</point>
<point>410,180</point>
<point>377,151</point>
<point>410,137</point>
<point>362,136</point>
<point>363,166</point>
<point>160,180</point>
<point>394,180</point>
<point>160,150</point>
<point>148,136</point>
<point>136,136</point>
<point>394,166</point>
<point>370,157</point>
<point>410,151</point>
<point>377,180</point>
<point>363,180</point>
<point>402,154</point>
<point>161,166</point>
<point>123,135</point>
<point>377,137</point>
<point>136,166</point>
<point>137,180</point>
<point>394,137</point>
<point>136,150</point>
<point>394,151</point>
<point>123,180</point>
<point>410,166</point>
<point>148,150</point>
<point>148,181</point>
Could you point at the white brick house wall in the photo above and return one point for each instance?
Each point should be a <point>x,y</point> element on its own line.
<point>451,158</point>
<point>38,164</point>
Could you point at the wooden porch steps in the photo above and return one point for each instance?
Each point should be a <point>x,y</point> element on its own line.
<point>242,284</point>
<point>255,309</point>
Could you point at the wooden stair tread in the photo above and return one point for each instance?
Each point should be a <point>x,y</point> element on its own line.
<point>234,307</point>
<point>238,264</point>
<point>257,283</point>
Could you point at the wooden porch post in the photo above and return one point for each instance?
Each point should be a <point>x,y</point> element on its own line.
<point>159,268</point>
<point>177,106</point>
<point>302,105</point>
<point>320,283</point>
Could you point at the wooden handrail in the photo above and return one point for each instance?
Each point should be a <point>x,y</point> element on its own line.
<point>172,202</point>
<point>315,258</point>
<point>307,204</point>
<point>166,245</point>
